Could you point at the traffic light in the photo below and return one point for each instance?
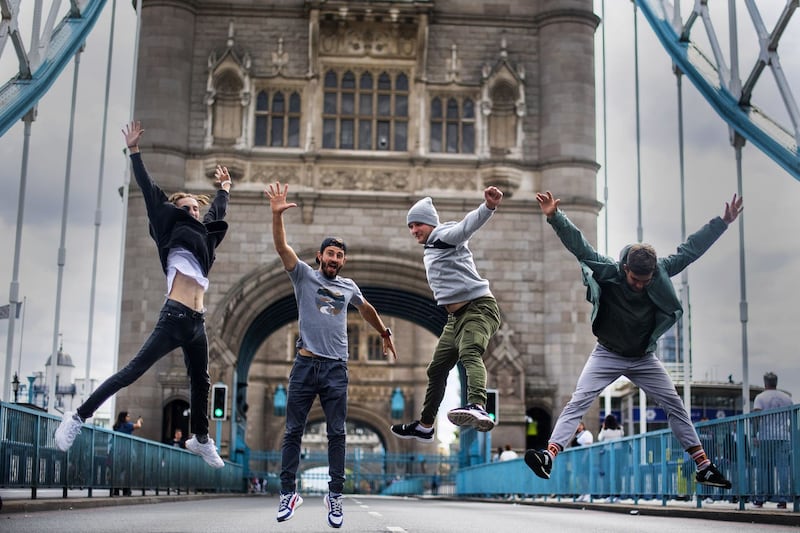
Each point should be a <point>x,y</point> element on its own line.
<point>493,404</point>
<point>219,401</point>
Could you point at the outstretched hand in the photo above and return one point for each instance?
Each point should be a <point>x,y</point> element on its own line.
<point>547,203</point>
<point>732,209</point>
<point>223,178</point>
<point>133,133</point>
<point>277,198</point>
<point>493,196</point>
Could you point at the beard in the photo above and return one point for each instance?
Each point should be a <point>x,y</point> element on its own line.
<point>325,267</point>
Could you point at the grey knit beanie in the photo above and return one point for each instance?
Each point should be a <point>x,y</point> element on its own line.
<point>423,212</point>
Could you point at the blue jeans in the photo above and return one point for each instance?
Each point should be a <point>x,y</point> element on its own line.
<point>312,376</point>
<point>178,326</point>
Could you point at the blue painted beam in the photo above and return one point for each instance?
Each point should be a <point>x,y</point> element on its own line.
<point>768,136</point>
<point>18,96</point>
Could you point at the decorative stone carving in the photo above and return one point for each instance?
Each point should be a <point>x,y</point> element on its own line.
<point>227,95</point>
<point>449,180</point>
<point>368,39</point>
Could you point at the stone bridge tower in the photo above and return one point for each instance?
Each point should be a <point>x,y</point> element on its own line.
<point>363,108</point>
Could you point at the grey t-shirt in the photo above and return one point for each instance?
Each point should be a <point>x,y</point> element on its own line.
<point>322,309</point>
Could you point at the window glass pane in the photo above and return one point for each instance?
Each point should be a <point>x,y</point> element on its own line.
<point>365,105</point>
<point>365,135</point>
<point>436,137</point>
<point>452,108</point>
<point>294,132</point>
<point>384,82</point>
<point>278,103</point>
<point>436,108</point>
<point>468,142</point>
<point>348,103</point>
<point>401,105</point>
<point>329,133</point>
<point>469,109</point>
<point>261,131</point>
<point>346,135</point>
<point>330,79</point>
<point>348,80</point>
<point>262,101</point>
<point>294,103</point>
<point>402,82</point>
<point>384,105</point>
<point>383,135</point>
<point>452,138</point>
<point>276,135</point>
<point>366,81</point>
<point>375,348</point>
<point>400,136</point>
<point>329,107</point>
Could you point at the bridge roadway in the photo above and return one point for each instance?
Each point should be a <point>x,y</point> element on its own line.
<point>242,513</point>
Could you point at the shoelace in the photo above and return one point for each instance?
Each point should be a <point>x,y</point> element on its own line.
<point>285,499</point>
<point>336,505</point>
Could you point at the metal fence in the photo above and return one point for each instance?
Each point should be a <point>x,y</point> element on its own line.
<point>99,459</point>
<point>366,473</point>
<point>757,452</point>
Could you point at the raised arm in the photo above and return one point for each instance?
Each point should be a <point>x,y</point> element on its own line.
<point>219,206</point>
<point>133,133</point>
<point>571,237</point>
<point>278,204</point>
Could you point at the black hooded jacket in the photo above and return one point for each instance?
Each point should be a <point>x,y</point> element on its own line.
<point>172,227</point>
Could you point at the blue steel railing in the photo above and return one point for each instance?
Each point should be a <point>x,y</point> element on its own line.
<point>757,452</point>
<point>366,473</point>
<point>99,459</point>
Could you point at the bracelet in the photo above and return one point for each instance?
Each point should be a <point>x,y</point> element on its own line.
<point>134,146</point>
<point>224,182</point>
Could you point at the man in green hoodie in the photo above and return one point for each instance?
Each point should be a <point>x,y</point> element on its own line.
<point>634,303</point>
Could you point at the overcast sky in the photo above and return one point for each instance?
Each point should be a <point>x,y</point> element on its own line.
<point>771,196</point>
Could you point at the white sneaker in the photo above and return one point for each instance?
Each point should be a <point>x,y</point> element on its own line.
<point>286,507</point>
<point>67,431</point>
<point>205,450</point>
<point>335,512</point>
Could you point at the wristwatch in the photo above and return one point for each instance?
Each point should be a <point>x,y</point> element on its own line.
<point>387,333</point>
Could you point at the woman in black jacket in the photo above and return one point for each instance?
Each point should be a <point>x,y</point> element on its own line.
<point>186,247</point>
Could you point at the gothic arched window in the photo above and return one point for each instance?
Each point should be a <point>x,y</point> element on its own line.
<point>452,125</point>
<point>277,122</point>
<point>365,111</point>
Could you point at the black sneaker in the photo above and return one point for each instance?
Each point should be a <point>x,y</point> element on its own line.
<point>540,462</point>
<point>410,431</point>
<point>471,415</point>
<point>712,477</point>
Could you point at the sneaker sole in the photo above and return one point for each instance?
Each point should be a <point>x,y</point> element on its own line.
<point>534,464</point>
<point>717,485</point>
<point>463,418</point>
<point>198,452</point>
<point>414,437</point>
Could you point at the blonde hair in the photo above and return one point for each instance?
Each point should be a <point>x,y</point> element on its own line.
<point>202,199</point>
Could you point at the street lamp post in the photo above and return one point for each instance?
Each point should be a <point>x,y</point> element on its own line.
<point>15,386</point>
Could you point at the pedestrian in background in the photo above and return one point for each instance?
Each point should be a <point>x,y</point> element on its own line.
<point>772,443</point>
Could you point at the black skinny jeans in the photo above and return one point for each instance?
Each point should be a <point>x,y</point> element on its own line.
<point>177,326</point>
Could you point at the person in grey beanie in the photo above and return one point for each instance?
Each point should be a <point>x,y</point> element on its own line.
<point>473,315</point>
